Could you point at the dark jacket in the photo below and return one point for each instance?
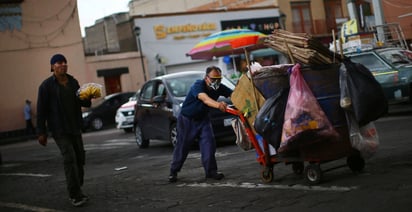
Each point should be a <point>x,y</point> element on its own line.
<point>49,109</point>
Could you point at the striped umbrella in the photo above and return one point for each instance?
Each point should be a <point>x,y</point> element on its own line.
<point>227,42</point>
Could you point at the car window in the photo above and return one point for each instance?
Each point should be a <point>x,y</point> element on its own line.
<point>115,102</point>
<point>396,57</point>
<point>147,91</point>
<point>228,83</point>
<point>180,86</point>
<point>407,53</point>
<point>160,89</point>
<point>372,62</point>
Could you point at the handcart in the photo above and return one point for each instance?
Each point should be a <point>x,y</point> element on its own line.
<point>319,151</point>
<point>314,155</point>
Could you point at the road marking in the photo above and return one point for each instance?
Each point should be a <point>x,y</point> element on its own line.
<point>26,207</point>
<point>25,174</point>
<point>110,144</point>
<point>261,186</point>
<point>9,165</point>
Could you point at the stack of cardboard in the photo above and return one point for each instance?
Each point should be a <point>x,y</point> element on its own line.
<point>301,47</point>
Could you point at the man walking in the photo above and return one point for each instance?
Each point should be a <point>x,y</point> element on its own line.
<point>59,110</point>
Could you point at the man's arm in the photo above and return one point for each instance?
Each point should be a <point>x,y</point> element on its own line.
<point>42,100</point>
<point>212,103</point>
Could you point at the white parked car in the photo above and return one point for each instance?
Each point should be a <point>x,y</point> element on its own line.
<point>125,115</point>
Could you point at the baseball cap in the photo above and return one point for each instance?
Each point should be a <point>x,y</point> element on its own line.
<point>57,58</point>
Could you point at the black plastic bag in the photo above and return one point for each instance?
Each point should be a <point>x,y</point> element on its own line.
<point>368,101</point>
<point>269,120</point>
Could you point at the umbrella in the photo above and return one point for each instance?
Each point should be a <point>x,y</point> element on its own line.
<point>227,42</point>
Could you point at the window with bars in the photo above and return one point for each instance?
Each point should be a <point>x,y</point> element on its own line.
<point>10,15</point>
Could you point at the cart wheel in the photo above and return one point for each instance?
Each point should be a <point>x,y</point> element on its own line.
<point>267,175</point>
<point>355,162</point>
<point>313,174</point>
<point>298,167</point>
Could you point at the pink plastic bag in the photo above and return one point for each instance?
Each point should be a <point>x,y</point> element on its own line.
<point>305,121</point>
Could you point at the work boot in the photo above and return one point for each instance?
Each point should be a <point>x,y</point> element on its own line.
<point>216,176</point>
<point>172,178</point>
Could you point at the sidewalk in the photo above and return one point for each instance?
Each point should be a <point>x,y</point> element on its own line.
<point>16,139</point>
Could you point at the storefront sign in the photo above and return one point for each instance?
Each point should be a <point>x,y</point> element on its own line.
<point>263,25</point>
<point>180,32</point>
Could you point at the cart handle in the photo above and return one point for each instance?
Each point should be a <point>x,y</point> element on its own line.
<point>261,155</point>
<point>232,110</point>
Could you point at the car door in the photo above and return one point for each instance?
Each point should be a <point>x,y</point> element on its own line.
<point>142,108</point>
<point>159,113</point>
<point>149,115</point>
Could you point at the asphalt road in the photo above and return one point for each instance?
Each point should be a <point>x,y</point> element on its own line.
<point>122,177</point>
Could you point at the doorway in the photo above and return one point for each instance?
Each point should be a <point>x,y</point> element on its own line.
<point>112,83</point>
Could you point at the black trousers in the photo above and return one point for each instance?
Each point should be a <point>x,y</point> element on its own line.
<point>72,150</point>
<point>29,127</point>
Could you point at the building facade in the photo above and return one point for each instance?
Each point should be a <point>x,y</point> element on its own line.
<point>167,38</point>
<point>28,38</point>
<point>104,37</point>
<point>31,31</point>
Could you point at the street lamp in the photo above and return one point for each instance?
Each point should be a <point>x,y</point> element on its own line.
<point>137,33</point>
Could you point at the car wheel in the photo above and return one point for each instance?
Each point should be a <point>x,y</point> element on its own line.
<point>410,93</point>
<point>173,134</point>
<point>142,143</point>
<point>97,124</point>
<point>128,130</point>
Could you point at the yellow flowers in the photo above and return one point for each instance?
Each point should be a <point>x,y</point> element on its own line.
<point>89,91</point>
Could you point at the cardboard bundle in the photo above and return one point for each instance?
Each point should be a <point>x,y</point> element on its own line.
<point>301,47</point>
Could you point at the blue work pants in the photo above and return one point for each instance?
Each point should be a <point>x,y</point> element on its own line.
<point>188,130</point>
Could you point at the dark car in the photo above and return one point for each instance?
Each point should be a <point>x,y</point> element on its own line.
<point>158,106</point>
<point>103,111</point>
<point>392,68</point>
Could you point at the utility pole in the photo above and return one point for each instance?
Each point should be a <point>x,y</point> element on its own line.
<point>379,19</point>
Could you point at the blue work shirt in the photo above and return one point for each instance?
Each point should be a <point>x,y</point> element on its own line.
<point>193,107</point>
<point>27,112</point>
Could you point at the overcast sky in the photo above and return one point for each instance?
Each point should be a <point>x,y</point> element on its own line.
<point>91,10</point>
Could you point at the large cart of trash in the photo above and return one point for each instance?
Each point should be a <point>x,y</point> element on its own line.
<point>312,111</point>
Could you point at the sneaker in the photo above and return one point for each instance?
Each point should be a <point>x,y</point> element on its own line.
<point>216,176</point>
<point>172,178</point>
<point>77,202</point>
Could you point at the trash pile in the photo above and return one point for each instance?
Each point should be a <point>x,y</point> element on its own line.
<point>295,105</point>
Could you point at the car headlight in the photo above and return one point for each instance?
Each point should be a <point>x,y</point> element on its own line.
<point>119,116</point>
<point>118,113</point>
<point>85,114</point>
